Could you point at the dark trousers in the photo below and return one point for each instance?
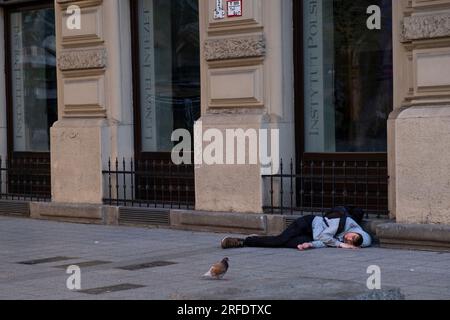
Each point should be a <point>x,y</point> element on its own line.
<point>299,232</point>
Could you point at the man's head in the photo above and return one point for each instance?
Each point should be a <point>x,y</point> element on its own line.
<point>354,239</point>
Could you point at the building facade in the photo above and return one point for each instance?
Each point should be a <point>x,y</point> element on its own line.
<point>358,93</point>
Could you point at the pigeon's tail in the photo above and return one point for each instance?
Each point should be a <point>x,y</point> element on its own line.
<point>208,274</point>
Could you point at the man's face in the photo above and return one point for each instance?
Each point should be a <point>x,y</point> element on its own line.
<point>351,238</point>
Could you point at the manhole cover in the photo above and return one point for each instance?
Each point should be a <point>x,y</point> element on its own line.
<point>86,264</point>
<point>154,264</point>
<point>46,260</point>
<point>110,289</point>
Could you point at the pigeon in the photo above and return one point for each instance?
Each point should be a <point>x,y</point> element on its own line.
<point>218,270</point>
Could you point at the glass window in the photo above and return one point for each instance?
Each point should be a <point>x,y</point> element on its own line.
<point>33,78</point>
<point>169,66</point>
<point>348,76</point>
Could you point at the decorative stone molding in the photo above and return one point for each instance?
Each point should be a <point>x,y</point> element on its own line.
<point>426,27</point>
<point>235,48</point>
<point>82,59</point>
<point>81,3</point>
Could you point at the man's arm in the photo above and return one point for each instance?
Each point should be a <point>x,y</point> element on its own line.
<point>326,236</point>
<point>318,245</point>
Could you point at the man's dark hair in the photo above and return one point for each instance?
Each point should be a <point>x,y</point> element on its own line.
<point>359,241</point>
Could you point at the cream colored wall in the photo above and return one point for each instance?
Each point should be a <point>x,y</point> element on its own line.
<point>420,124</point>
<point>400,56</point>
<point>3,143</point>
<point>94,96</point>
<point>247,82</point>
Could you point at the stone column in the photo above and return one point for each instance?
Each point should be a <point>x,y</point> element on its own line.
<point>3,133</point>
<point>420,125</point>
<point>94,98</point>
<point>247,83</point>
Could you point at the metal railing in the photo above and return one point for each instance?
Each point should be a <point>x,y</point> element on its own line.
<point>25,179</point>
<point>149,183</point>
<point>316,186</point>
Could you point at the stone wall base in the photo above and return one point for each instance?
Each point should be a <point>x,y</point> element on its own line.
<point>220,222</point>
<point>223,222</point>
<point>425,237</point>
<point>80,213</point>
<point>390,235</point>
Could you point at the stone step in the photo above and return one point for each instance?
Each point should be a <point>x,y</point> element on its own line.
<point>427,237</point>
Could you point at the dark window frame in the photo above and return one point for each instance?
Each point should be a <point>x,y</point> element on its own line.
<point>343,160</point>
<point>136,78</point>
<point>135,45</point>
<point>148,160</point>
<point>8,10</point>
<point>299,102</point>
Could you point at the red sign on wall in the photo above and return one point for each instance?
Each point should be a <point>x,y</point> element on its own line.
<point>234,8</point>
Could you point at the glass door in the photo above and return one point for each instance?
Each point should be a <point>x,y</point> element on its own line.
<point>31,95</point>
<point>167,91</point>
<point>344,78</point>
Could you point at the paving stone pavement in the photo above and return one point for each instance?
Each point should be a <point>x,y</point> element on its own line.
<point>254,274</point>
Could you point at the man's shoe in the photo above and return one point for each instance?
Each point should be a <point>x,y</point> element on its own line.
<point>229,243</point>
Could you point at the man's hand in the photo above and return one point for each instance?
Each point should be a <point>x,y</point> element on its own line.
<point>305,246</point>
<point>347,246</point>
